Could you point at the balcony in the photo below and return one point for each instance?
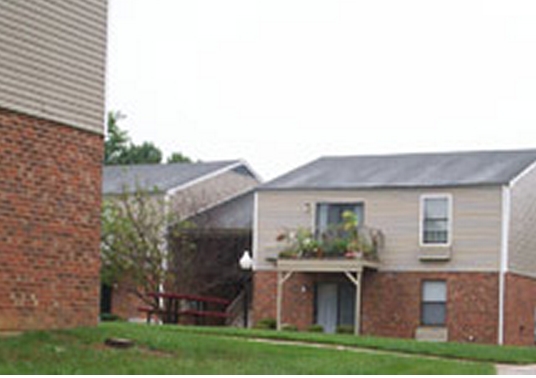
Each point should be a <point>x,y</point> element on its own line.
<point>338,249</point>
<point>344,248</point>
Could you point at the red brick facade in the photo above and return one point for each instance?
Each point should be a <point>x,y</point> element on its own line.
<point>519,309</point>
<point>50,196</point>
<point>391,302</point>
<point>298,298</point>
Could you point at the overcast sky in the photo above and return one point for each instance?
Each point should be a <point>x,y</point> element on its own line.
<point>280,83</point>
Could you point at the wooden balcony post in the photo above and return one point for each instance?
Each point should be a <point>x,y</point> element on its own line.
<point>357,282</point>
<point>357,327</point>
<point>281,278</point>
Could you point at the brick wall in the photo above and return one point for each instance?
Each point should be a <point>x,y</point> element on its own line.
<point>298,298</point>
<point>392,305</point>
<point>264,295</point>
<point>50,193</point>
<point>519,310</point>
<point>391,302</point>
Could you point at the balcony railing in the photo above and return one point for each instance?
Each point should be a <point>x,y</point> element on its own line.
<point>336,243</point>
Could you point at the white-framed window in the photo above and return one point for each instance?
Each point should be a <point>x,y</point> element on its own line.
<point>436,220</point>
<point>434,303</point>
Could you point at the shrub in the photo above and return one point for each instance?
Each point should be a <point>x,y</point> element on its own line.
<point>289,327</point>
<point>107,317</point>
<point>315,328</point>
<point>345,329</point>
<point>267,323</point>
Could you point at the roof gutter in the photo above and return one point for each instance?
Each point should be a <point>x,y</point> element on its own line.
<point>267,188</point>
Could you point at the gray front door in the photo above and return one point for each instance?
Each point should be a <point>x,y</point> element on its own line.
<point>327,306</point>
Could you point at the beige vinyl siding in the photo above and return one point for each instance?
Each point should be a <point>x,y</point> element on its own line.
<point>476,233</point>
<point>52,60</point>
<point>522,237</point>
<point>210,192</point>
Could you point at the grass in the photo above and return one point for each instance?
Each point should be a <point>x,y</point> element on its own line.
<point>473,352</point>
<point>181,350</point>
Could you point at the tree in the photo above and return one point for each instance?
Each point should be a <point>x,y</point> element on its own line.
<point>134,242</point>
<point>119,149</point>
<point>116,141</point>
<point>145,153</point>
<point>177,157</point>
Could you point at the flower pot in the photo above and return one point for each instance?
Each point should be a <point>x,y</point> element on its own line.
<point>353,254</point>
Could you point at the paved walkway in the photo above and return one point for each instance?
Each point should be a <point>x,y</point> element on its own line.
<point>516,369</point>
<point>342,347</point>
<point>502,369</point>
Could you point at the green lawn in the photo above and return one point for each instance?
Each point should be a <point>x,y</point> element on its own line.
<point>181,350</point>
<point>475,352</point>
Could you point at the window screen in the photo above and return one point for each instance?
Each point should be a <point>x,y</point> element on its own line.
<point>435,227</point>
<point>434,303</point>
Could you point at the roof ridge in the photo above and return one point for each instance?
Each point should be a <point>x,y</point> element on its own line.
<point>228,162</point>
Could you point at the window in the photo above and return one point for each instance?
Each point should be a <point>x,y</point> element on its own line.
<point>435,220</point>
<point>434,303</point>
<point>330,214</point>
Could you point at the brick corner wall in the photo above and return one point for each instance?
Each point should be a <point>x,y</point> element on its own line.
<point>298,298</point>
<point>50,203</point>
<point>519,310</point>
<point>264,295</point>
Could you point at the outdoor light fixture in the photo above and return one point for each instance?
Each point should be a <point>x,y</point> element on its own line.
<point>246,264</point>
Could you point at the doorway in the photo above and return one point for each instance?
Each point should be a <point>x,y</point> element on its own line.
<point>335,305</point>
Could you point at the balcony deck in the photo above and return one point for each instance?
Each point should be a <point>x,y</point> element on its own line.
<point>325,265</point>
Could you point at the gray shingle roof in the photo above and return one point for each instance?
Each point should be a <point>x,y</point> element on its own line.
<point>407,170</point>
<point>162,176</point>
<point>235,213</point>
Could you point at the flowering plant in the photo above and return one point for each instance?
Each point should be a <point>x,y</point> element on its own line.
<point>300,243</point>
<point>346,239</point>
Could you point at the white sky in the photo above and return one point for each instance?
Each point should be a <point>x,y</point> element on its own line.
<point>280,83</point>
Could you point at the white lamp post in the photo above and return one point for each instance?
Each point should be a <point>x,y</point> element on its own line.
<point>246,264</point>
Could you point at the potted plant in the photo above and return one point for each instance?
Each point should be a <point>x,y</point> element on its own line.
<point>299,244</point>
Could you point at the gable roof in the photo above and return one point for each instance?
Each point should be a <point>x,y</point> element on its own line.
<point>407,170</point>
<point>235,213</point>
<point>163,177</point>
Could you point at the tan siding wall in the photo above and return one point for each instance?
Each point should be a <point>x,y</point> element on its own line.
<point>52,60</point>
<point>522,238</point>
<point>476,225</point>
<point>210,192</point>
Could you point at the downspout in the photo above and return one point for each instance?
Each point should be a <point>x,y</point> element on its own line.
<point>255,235</point>
<point>505,229</point>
